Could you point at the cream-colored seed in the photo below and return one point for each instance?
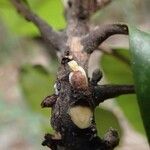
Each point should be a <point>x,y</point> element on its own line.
<point>73,65</point>
<point>81,116</point>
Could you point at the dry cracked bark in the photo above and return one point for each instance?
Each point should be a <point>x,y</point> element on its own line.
<point>76,95</point>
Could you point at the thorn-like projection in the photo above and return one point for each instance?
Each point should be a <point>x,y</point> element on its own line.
<point>96,77</point>
<point>104,92</point>
<point>49,101</point>
<point>111,138</point>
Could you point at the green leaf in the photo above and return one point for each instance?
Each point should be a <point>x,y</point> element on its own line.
<point>106,119</point>
<point>4,3</point>
<point>118,72</point>
<point>51,11</point>
<point>140,50</point>
<point>36,83</point>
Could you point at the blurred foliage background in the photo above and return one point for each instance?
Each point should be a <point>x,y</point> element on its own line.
<point>28,72</point>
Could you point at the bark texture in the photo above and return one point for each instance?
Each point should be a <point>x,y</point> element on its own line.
<point>76,95</point>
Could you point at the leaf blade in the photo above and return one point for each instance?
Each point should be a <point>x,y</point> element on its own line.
<point>140,52</point>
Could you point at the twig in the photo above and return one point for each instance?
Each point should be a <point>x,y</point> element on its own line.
<point>92,40</point>
<point>49,101</point>
<point>104,92</point>
<point>46,30</point>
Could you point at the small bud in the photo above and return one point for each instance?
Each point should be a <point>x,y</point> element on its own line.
<point>96,76</point>
<point>112,137</point>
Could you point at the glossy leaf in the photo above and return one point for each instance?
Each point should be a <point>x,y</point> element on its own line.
<point>117,72</point>
<point>140,50</point>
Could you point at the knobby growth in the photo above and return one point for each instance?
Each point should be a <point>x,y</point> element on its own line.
<point>76,95</point>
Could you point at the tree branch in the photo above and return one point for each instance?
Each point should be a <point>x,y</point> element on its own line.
<point>77,15</point>
<point>103,92</point>
<point>46,30</point>
<point>92,40</point>
<point>99,4</point>
<point>84,8</point>
<point>73,131</point>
